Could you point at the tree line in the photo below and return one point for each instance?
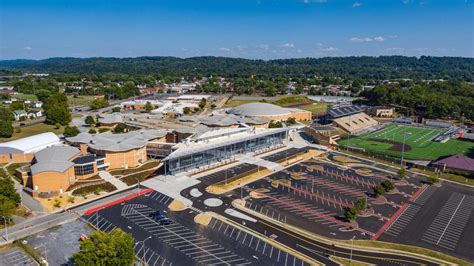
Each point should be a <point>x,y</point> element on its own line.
<point>363,67</point>
<point>452,99</point>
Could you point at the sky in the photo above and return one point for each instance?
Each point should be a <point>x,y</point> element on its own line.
<point>262,29</point>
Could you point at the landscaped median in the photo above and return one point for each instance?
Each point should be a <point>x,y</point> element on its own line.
<point>363,245</point>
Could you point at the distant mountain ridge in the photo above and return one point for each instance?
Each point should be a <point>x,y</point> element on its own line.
<point>364,67</point>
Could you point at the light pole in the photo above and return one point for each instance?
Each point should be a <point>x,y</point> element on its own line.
<point>352,244</point>
<point>403,145</point>
<point>138,186</point>
<point>143,241</point>
<point>6,227</point>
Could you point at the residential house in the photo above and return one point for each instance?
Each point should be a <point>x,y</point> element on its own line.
<point>18,114</point>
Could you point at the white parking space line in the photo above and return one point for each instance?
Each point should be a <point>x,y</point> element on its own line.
<point>449,224</point>
<point>401,222</point>
<point>183,239</point>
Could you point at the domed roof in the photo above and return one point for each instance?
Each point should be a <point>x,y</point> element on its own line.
<point>258,109</point>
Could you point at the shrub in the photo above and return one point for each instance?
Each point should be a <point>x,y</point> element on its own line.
<point>433,179</point>
<point>57,203</point>
<point>379,190</point>
<point>92,131</point>
<point>387,185</point>
<point>71,199</point>
<point>361,204</point>
<point>402,173</point>
<point>103,129</point>
<point>350,214</point>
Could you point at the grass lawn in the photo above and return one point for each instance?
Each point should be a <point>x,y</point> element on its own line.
<point>283,100</point>
<point>233,103</point>
<point>419,145</point>
<point>315,108</point>
<point>30,97</point>
<point>33,130</point>
<point>80,100</point>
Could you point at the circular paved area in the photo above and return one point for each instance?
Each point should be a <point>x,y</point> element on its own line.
<point>213,202</point>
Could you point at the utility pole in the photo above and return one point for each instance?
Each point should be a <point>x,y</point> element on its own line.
<point>6,227</point>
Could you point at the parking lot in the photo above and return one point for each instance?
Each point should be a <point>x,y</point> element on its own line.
<point>16,256</point>
<point>315,192</point>
<point>183,241</point>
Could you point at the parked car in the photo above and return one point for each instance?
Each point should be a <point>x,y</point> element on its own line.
<point>160,218</point>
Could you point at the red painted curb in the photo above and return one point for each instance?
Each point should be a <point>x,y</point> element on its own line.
<point>389,222</point>
<point>417,194</point>
<point>118,201</point>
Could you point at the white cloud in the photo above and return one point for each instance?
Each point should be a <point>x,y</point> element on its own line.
<point>224,49</point>
<point>360,40</point>
<point>241,47</point>
<point>379,39</point>
<point>288,45</point>
<point>264,46</point>
<point>367,39</point>
<point>27,48</point>
<point>356,4</point>
<point>314,1</point>
<point>328,49</point>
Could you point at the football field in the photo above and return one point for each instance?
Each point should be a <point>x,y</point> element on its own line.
<point>418,143</point>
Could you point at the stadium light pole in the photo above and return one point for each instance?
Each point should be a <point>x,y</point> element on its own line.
<point>403,145</point>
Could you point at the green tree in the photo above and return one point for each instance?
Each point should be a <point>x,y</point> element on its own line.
<point>186,110</point>
<point>379,190</point>
<point>92,131</point>
<point>120,128</point>
<point>116,110</point>
<point>6,118</point>
<point>17,106</point>
<point>361,204</point>
<point>7,206</point>
<point>274,124</point>
<point>42,94</point>
<point>71,131</point>
<point>402,173</point>
<point>148,107</point>
<point>89,120</point>
<point>350,214</point>
<point>57,110</point>
<point>202,103</point>
<point>99,103</point>
<point>291,121</point>
<point>387,185</point>
<point>113,248</point>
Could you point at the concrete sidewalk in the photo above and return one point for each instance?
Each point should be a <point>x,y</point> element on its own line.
<point>111,179</point>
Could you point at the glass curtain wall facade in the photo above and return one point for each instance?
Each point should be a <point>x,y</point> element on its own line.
<point>224,152</point>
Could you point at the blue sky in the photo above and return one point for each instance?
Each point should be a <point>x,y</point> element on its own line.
<point>264,29</point>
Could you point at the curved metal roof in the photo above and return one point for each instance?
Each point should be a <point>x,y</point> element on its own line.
<point>117,142</point>
<point>54,159</point>
<point>259,109</point>
<point>30,144</point>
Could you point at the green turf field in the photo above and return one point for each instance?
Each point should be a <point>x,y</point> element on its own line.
<point>419,139</point>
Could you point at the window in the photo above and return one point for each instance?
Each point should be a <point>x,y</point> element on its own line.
<point>80,170</point>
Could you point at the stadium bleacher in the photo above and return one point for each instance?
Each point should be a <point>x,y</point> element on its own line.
<point>344,109</point>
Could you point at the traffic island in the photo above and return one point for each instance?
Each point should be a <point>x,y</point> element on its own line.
<point>233,183</point>
<point>203,218</point>
<point>176,206</point>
